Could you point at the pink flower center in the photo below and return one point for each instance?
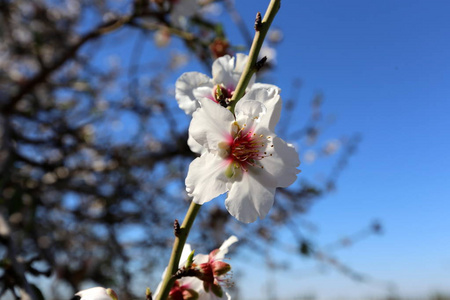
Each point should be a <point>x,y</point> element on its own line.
<point>247,148</point>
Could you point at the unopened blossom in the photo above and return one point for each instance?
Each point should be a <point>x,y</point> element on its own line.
<point>96,293</point>
<point>214,271</point>
<point>226,72</point>
<point>242,156</point>
<point>193,288</point>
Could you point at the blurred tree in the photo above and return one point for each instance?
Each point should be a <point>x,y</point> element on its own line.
<point>93,155</point>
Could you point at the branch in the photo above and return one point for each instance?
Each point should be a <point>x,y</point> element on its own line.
<point>26,291</point>
<point>252,65</point>
<point>70,53</point>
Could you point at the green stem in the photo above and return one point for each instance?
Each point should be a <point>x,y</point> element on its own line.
<point>258,40</point>
<point>177,249</point>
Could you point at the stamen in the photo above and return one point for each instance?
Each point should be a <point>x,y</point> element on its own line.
<point>246,148</point>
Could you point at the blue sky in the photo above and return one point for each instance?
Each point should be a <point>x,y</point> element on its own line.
<point>384,70</point>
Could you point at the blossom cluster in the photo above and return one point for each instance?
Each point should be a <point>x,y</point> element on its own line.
<point>202,279</point>
<point>240,153</point>
<point>205,278</point>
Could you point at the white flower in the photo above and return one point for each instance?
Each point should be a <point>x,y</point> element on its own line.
<point>193,86</point>
<point>243,156</point>
<point>194,288</point>
<point>214,270</point>
<point>226,71</point>
<point>96,293</point>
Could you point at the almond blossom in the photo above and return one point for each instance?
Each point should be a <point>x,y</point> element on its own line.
<point>210,274</point>
<point>226,71</point>
<point>243,156</point>
<point>213,270</point>
<point>193,86</point>
<point>96,293</point>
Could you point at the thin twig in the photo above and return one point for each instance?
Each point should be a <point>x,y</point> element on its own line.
<point>26,292</point>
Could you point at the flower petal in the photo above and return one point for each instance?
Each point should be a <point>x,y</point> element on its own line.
<point>249,199</point>
<point>241,61</point>
<point>195,146</point>
<point>224,247</point>
<point>259,85</point>
<point>201,258</point>
<point>271,99</point>
<point>223,250</point>
<point>211,124</point>
<point>95,293</point>
<point>227,70</point>
<point>249,111</point>
<point>184,90</point>
<point>206,178</point>
<point>204,92</point>
<point>222,71</point>
<point>283,163</point>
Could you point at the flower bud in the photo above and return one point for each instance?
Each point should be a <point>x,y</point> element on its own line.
<point>189,260</point>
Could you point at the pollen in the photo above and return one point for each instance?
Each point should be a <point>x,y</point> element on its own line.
<point>248,148</point>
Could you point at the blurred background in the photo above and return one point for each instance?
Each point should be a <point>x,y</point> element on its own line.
<point>93,151</point>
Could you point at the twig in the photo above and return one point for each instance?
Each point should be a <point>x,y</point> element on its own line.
<point>258,40</point>
<point>70,53</point>
<point>26,292</point>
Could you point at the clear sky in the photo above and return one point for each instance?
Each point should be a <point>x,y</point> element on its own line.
<point>384,69</point>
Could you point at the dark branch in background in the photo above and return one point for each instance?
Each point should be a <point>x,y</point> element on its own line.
<point>73,184</point>
<point>15,271</point>
<point>68,54</point>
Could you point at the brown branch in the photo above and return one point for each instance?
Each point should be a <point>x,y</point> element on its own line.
<point>70,53</point>
<point>26,291</point>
